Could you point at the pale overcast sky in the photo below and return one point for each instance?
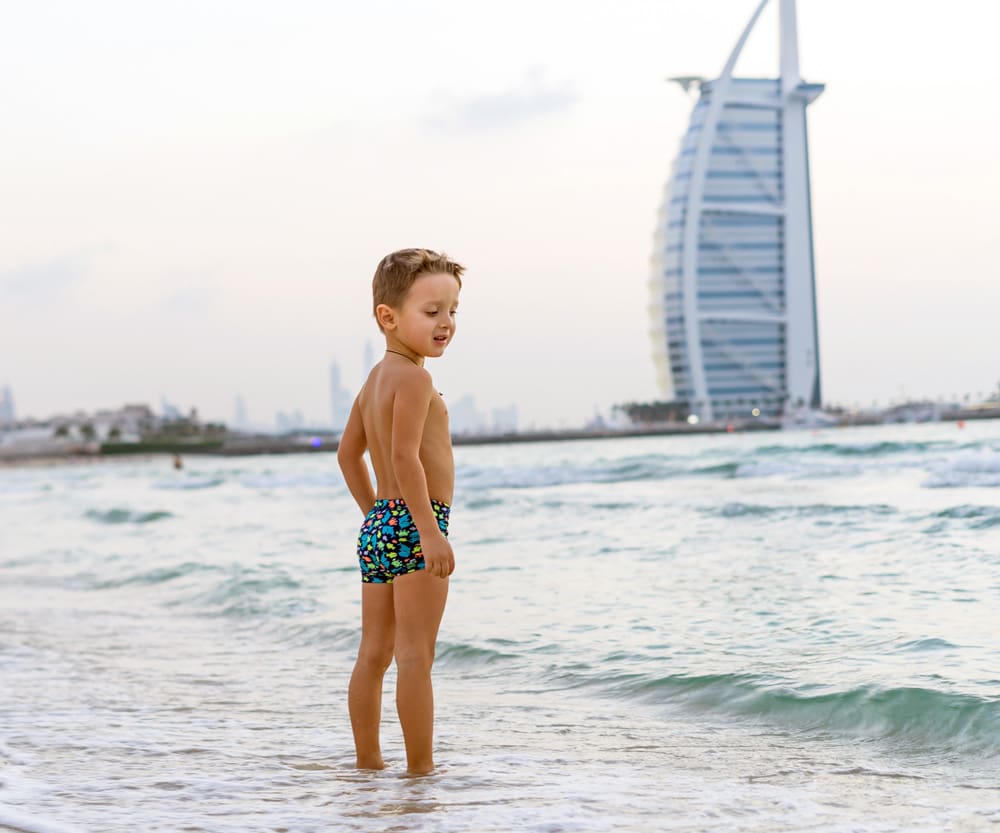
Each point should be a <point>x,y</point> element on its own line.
<point>194,193</point>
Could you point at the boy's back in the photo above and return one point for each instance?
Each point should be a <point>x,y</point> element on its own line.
<point>399,379</point>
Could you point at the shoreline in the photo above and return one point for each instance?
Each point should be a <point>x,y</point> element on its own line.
<point>257,446</point>
<point>252,447</point>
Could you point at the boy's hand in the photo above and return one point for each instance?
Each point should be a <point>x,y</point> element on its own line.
<point>439,558</point>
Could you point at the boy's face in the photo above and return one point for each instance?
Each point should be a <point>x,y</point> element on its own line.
<point>425,322</point>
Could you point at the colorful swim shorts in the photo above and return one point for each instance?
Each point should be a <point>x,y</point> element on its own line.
<point>389,543</point>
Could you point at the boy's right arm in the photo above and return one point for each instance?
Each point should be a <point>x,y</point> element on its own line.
<point>351,457</point>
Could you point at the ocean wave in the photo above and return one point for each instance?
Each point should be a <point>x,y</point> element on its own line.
<point>251,593</point>
<point>875,448</point>
<point>981,517</point>
<point>722,469</point>
<point>183,484</point>
<point>323,633</point>
<point>17,486</point>
<point>917,718</point>
<point>634,469</point>
<point>969,468</point>
<point>483,501</point>
<point>770,468</point>
<point>159,575</point>
<point>461,654</point>
<point>842,459</point>
<point>651,467</point>
<point>741,510</point>
<point>293,481</point>
<point>126,516</point>
<point>928,643</point>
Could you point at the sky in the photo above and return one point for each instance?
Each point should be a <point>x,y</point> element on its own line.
<point>194,194</point>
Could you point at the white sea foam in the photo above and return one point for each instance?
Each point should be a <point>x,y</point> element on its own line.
<point>186,483</point>
<point>980,468</point>
<point>28,823</point>
<point>769,468</point>
<point>10,755</point>
<point>794,469</point>
<point>293,480</point>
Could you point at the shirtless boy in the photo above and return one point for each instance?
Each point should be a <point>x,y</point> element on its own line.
<point>405,557</point>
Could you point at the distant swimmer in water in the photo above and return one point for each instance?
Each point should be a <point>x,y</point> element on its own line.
<point>178,462</point>
<point>403,549</point>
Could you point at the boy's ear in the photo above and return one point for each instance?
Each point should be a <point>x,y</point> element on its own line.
<point>386,316</point>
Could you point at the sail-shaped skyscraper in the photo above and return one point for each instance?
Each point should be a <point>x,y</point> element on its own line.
<point>733,289</point>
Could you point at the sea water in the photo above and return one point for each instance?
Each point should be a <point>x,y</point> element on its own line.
<point>766,632</point>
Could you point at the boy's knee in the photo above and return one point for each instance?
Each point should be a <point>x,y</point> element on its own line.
<point>375,659</point>
<point>415,660</point>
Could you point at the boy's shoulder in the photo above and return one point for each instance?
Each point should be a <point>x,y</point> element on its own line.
<point>399,376</point>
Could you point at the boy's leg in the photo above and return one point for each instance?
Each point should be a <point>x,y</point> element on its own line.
<point>364,695</point>
<point>419,604</point>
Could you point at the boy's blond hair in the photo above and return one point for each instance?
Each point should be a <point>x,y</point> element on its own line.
<point>396,273</point>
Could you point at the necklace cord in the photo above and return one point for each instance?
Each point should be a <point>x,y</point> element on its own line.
<point>410,358</point>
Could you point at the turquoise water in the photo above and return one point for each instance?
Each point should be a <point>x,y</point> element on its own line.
<point>791,631</point>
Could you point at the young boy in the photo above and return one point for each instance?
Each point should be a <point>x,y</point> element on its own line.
<point>404,553</point>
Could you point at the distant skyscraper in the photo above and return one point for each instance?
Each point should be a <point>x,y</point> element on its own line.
<point>340,399</point>
<point>7,414</point>
<point>464,417</point>
<point>239,413</point>
<point>168,411</point>
<point>368,359</point>
<point>505,419</point>
<point>287,422</point>
<point>733,297</point>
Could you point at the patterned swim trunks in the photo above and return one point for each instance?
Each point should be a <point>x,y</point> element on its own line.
<point>389,543</point>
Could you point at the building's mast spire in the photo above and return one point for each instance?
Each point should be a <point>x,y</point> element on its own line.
<point>789,47</point>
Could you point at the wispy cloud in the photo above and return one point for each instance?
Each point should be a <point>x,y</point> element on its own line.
<point>531,97</point>
<point>190,295</point>
<point>47,281</point>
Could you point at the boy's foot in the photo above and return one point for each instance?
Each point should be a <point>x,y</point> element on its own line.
<point>425,767</point>
<point>370,763</point>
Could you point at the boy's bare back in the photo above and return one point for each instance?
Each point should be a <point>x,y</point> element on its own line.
<point>391,403</point>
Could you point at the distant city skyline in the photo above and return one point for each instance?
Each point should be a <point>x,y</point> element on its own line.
<point>465,413</point>
<point>184,218</point>
<point>466,418</point>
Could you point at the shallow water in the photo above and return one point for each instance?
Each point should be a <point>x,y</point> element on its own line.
<point>760,632</point>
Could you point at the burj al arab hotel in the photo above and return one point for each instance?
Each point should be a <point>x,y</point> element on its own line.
<point>733,289</point>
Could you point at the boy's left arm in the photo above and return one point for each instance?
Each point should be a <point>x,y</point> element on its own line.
<point>351,457</point>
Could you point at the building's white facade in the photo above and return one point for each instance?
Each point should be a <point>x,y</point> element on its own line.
<point>733,291</point>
